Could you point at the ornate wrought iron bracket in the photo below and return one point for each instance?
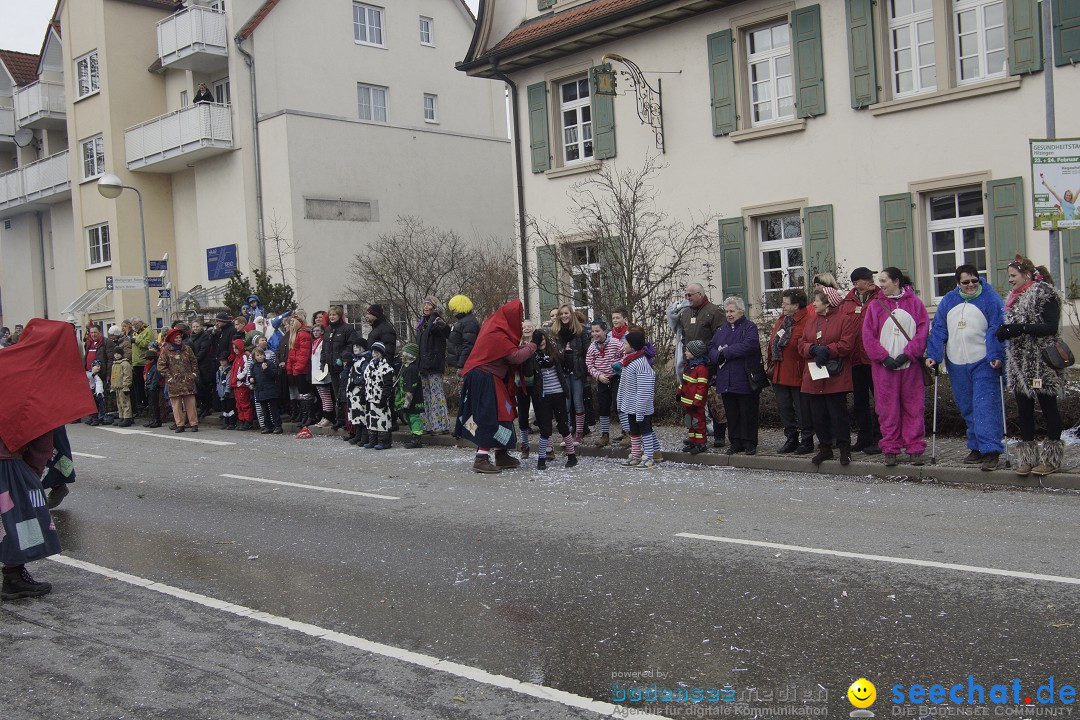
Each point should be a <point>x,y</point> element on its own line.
<point>650,103</point>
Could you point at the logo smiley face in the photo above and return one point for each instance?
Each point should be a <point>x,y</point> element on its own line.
<point>862,693</point>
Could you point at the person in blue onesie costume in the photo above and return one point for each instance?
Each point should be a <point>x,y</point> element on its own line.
<point>963,336</point>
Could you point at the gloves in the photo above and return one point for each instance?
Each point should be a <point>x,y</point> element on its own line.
<point>894,363</point>
<point>821,354</point>
<point>901,359</point>
<point>721,358</point>
<point>1010,330</point>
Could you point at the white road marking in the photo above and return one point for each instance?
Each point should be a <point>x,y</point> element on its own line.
<point>313,487</point>
<point>168,436</point>
<point>96,457</point>
<point>887,558</point>
<point>414,658</point>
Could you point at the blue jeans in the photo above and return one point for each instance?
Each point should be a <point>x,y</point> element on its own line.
<point>575,399</point>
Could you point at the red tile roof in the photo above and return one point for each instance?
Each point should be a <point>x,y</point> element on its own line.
<point>256,19</point>
<point>538,30</point>
<point>22,66</point>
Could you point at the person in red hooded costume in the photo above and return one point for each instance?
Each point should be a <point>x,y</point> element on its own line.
<point>488,405</point>
<point>44,387</point>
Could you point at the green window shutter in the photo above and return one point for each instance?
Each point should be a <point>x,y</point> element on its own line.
<point>1025,36</point>
<point>612,275</point>
<point>547,277</point>
<point>1066,32</point>
<point>542,5</point>
<point>862,57</point>
<point>809,70</point>
<point>1006,227</point>
<point>897,232</point>
<point>603,118</point>
<point>722,83</point>
<point>820,243</point>
<point>538,127</point>
<point>733,259</point>
<point>1070,253</point>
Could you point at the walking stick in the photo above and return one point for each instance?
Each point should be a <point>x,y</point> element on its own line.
<point>1004,427</point>
<point>933,451</point>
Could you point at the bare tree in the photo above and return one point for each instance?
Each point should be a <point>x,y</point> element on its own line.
<point>490,279</point>
<point>283,248</point>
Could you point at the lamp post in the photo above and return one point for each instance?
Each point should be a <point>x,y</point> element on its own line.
<point>110,186</point>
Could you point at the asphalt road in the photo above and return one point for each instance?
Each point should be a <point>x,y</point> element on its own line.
<point>568,580</point>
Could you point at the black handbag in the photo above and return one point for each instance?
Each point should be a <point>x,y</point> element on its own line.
<point>835,366</point>
<point>1058,355</point>
<point>756,377</point>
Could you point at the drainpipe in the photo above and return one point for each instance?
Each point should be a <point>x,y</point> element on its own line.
<point>44,289</point>
<point>523,237</point>
<point>258,154</point>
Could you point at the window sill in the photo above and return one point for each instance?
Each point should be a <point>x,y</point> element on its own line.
<point>92,178</point>
<point>944,96</point>
<point>90,94</point>
<point>431,122</point>
<point>371,45</point>
<point>576,169</point>
<point>99,265</point>
<point>424,44</point>
<point>780,128</point>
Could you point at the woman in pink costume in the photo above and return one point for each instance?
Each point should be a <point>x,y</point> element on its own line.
<point>894,336</point>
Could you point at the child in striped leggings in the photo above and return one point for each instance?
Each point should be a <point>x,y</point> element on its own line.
<point>549,399</point>
<point>637,386</point>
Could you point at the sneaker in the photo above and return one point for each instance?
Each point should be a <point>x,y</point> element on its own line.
<point>973,458</point>
<point>324,423</point>
<point>631,462</point>
<point>19,584</point>
<point>57,495</point>
<point>646,465</point>
<point>571,460</point>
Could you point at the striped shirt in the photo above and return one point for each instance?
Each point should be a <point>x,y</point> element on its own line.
<point>637,386</point>
<point>552,386</point>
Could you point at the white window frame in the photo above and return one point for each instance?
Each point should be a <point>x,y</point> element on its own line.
<point>782,245</point>
<point>770,57</point>
<point>979,8</point>
<point>89,66</point>
<point>911,23</point>
<point>368,26</point>
<point>222,91</point>
<point>93,166</point>
<point>582,129</point>
<point>585,277</point>
<point>97,236</point>
<point>184,99</point>
<point>218,5</point>
<point>956,225</point>
<point>372,92</point>
<point>434,106</point>
<point>427,27</point>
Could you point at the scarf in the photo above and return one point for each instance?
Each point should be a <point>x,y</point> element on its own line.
<point>627,359</point>
<point>971,296</point>
<point>1015,294</point>
<point>780,341</point>
<point>618,332</point>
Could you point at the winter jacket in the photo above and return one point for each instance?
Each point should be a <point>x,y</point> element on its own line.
<point>274,333</point>
<point>881,337</point>
<point>338,338</point>
<point>787,369</point>
<point>201,345</point>
<point>700,323</point>
<point>225,337</point>
<point>320,373</point>
<point>637,388</point>
<point>461,340</point>
<point>410,383</point>
<point>151,375</point>
<point>124,343</point>
<point>102,352</point>
<point>574,349</point>
<point>737,344</point>
<point>140,341</point>
<point>238,361</point>
<point>265,380</point>
<point>855,306</point>
<point>298,361</point>
<point>431,334</point>
<point>221,382</point>
<point>836,330</point>
<point>694,388</point>
<point>599,357</point>
<point>382,331</point>
<point>963,330</point>
<point>121,375</point>
<point>179,370</point>
<point>1031,325</point>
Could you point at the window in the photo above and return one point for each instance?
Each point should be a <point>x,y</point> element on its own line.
<point>427,29</point>
<point>431,108</point>
<point>585,278</point>
<point>957,236</point>
<point>222,92</point>
<point>184,101</point>
<point>781,243</point>
<point>911,42</point>
<point>768,62</point>
<point>218,5</point>
<point>368,24</point>
<point>980,39</point>
<point>354,314</point>
<point>372,100</point>
<point>100,251</point>
<point>87,72</point>
<point>93,157</point>
<point>576,120</point>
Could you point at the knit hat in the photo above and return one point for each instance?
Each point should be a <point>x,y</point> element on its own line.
<point>834,296</point>
<point>697,348</point>
<point>433,302</point>
<point>118,350</point>
<point>636,339</point>
<point>460,305</point>
<point>411,350</point>
<point>379,348</point>
<point>376,310</point>
<point>862,273</point>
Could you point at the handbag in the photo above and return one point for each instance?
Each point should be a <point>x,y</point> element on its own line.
<point>756,377</point>
<point>1058,355</point>
<point>835,366</point>
<point>927,373</point>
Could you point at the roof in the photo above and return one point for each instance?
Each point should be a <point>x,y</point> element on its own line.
<point>256,19</point>
<point>22,66</point>
<point>552,25</point>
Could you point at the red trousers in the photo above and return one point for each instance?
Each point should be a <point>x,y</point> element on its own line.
<point>244,409</point>
<point>697,423</point>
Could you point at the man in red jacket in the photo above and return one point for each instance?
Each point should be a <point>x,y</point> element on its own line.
<point>861,294</point>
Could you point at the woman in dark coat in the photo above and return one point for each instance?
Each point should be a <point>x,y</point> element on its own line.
<point>463,333</point>
<point>338,338</point>
<point>734,348</point>
<point>573,338</point>
<point>829,335</point>
<point>431,334</point>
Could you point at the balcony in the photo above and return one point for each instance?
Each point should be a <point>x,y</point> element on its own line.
<point>40,105</point>
<point>33,186</point>
<point>7,127</point>
<point>194,39</point>
<point>172,142</point>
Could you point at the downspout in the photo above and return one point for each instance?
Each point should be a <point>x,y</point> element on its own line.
<point>250,60</point>
<point>523,237</point>
<point>44,288</point>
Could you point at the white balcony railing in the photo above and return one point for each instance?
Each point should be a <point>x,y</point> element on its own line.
<point>7,121</point>
<point>39,180</point>
<point>193,39</point>
<point>38,101</point>
<point>190,134</point>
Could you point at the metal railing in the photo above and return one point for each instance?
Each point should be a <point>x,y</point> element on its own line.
<point>7,121</point>
<point>38,99</point>
<point>194,29</point>
<point>37,180</point>
<point>187,129</point>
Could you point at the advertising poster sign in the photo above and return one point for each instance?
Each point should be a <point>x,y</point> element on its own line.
<point>1055,183</point>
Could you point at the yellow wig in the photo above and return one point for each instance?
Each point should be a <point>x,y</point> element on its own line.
<point>459,304</point>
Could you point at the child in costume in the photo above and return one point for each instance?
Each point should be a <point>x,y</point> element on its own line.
<point>356,397</point>
<point>603,351</point>
<point>637,387</point>
<point>121,385</point>
<point>549,398</point>
<point>97,388</point>
<point>225,396</point>
<point>693,394</point>
<point>239,384</point>
<point>264,382</point>
<point>410,394</point>
<point>379,391</point>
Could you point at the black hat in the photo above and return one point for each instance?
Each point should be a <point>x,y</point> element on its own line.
<point>223,317</point>
<point>636,339</point>
<point>861,273</point>
<point>379,348</point>
<point>376,310</point>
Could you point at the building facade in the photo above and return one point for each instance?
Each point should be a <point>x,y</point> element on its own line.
<point>823,136</point>
<point>325,122</point>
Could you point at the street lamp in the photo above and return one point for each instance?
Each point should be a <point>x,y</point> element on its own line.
<point>110,186</point>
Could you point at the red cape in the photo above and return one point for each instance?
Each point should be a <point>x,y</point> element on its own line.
<point>500,336</point>
<point>42,383</point>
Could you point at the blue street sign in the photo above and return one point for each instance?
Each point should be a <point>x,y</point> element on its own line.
<point>220,262</point>
<point>162,294</point>
<point>158,265</point>
<point>155,282</point>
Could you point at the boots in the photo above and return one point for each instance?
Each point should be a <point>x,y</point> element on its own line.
<point>386,440</point>
<point>57,495</point>
<point>571,460</point>
<point>414,442</point>
<point>1027,457</point>
<point>719,435</point>
<point>624,441</point>
<point>18,584</point>
<point>824,453</point>
<point>482,464</point>
<point>524,451</point>
<point>604,441</point>
<point>845,454</point>
<point>1052,455</point>
<point>504,460</point>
